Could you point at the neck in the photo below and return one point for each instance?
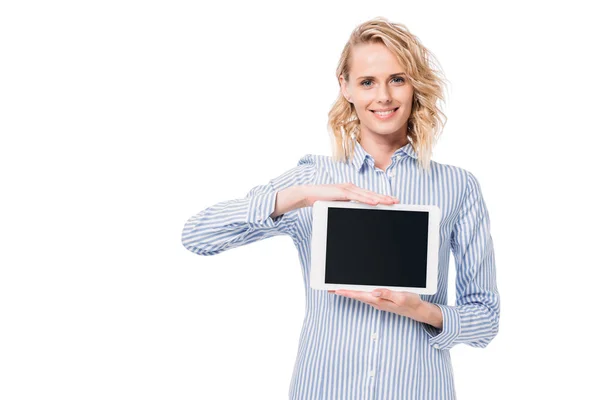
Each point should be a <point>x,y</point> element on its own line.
<point>381,147</point>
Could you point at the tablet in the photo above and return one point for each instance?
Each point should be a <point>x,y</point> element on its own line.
<point>358,246</point>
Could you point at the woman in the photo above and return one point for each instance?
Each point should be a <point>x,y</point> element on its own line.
<point>382,344</point>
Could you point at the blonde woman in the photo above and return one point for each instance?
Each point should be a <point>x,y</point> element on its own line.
<point>381,344</point>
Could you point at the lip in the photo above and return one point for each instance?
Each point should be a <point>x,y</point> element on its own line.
<point>385,116</point>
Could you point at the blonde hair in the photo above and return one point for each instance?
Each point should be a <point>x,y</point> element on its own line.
<point>426,120</point>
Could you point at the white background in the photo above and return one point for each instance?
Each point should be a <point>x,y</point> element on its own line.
<point>122,119</point>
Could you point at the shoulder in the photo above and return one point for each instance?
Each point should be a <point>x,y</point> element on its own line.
<point>314,160</point>
<point>467,185</point>
<point>307,164</point>
<point>461,177</point>
<point>302,174</point>
<point>321,162</point>
<point>318,162</point>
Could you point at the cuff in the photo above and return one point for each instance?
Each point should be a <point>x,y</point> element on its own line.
<point>260,207</point>
<point>443,339</point>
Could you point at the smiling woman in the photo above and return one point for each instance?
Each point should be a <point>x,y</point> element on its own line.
<point>389,93</point>
<point>378,97</point>
<point>357,345</point>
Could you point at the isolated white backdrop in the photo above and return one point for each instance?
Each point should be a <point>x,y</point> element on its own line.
<point>121,119</point>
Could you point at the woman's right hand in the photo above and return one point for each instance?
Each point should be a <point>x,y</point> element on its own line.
<point>343,192</point>
<point>305,196</point>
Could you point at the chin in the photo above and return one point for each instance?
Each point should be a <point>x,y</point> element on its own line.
<point>387,130</point>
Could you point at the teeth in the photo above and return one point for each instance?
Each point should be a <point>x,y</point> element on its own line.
<point>382,113</point>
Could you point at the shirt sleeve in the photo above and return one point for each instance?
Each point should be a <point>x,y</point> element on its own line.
<point>237,222</point>
<point>475,318</point>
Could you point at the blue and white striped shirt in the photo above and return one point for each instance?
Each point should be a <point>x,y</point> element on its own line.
<point>348,349</point>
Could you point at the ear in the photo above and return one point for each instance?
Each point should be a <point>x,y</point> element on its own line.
<point>344,88</point>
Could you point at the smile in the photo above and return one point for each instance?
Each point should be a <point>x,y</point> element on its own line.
<point>385,114</point>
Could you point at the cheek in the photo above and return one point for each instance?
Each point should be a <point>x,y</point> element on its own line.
<point>362,105</point>
<point>407,97</point>
<point>363,97</point>
<point>402,93</point>
<point>363,112</point>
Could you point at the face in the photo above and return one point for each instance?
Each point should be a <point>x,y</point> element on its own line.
<point>374,84</point>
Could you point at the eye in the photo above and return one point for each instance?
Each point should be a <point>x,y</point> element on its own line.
<point>368,80</point>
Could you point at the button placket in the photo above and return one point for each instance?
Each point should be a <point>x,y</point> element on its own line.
<point>374,355</point>
<point>394,166</point>
<point>374,348</point>
<point>387,178</point>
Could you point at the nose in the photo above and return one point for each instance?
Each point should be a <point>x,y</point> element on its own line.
<point>383,94</point>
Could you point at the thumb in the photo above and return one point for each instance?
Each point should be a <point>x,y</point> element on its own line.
<point>382,293</point>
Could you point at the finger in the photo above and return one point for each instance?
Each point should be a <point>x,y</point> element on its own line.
<point>367,196</point>
<point>379,195</point>
<point>383,293</point>
<point>354,194</point>
<point>369,193</point>
<point>368,298</point>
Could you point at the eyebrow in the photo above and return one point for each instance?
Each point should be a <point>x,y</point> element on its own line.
<point>372,77</point>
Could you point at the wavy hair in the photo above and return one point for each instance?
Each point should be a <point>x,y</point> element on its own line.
<point>426,120</point>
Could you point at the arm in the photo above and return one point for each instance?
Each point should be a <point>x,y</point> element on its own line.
<point>475,318</point>
<point>266,211</point>
<point>430,314</point>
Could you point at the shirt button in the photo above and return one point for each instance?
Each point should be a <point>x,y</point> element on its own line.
<point>436,346</point>
<point>371,373</point>
<point>374,336</point>
<point>392,174</point>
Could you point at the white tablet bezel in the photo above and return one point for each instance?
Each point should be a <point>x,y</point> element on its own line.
<point>319,241</point>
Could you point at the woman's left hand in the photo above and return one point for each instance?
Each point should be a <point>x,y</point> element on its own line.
<point>402,303</point>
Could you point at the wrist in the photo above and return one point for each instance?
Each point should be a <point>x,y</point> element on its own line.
<point>429,313</point>
<point>288,199</point>
<point>296,196</point>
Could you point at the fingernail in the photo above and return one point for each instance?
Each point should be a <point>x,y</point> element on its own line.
<point>376,294</point>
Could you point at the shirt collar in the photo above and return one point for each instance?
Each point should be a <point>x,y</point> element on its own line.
<point>360,155</point>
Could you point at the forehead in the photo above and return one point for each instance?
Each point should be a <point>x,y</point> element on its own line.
<point>374,59</point>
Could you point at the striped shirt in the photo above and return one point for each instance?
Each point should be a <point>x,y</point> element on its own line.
<point>348,349</point>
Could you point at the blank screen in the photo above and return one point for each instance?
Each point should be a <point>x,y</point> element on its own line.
<point>376,247</point>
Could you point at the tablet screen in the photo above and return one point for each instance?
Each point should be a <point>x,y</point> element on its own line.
<point>376,247</point>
